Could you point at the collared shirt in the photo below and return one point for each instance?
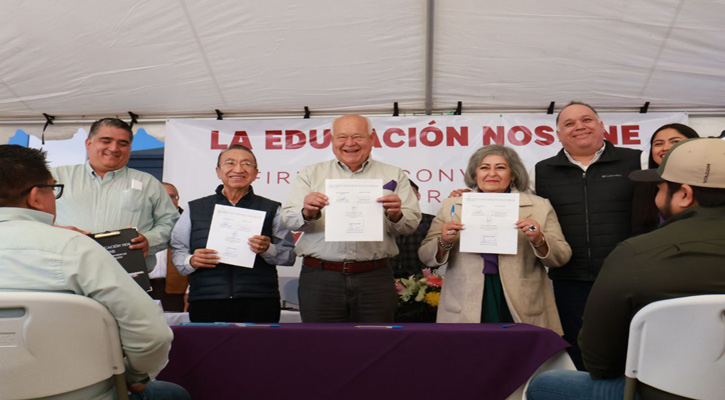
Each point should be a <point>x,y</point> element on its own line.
<point>312,243</point>
<point>582,166</point>
<point>123,198</point>
<point>281,250</point>
<point>34,255</point>
<point>597,155</point>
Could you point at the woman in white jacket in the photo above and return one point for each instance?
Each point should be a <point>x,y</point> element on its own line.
<point>498,287</point>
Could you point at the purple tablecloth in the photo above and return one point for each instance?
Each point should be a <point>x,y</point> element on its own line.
<point>339,361</point>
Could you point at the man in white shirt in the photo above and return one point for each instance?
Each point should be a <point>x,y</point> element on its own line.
<point>348,281</point>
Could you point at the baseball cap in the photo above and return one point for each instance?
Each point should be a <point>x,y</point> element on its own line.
<point>696,162</point>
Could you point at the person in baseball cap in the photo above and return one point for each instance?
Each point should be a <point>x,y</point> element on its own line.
<point>682,257</point>
<point>692,173</point>
<point>697,162</point>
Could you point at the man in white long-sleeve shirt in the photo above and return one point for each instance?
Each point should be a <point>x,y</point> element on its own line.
<point>349,281</point>
<point>35,256</point>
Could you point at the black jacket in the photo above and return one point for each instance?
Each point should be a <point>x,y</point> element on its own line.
<point>594,207</point>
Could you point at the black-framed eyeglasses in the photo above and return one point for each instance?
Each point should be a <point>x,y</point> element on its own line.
<point>57,189</point>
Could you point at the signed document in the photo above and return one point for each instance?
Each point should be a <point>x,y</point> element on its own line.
<point>353,214</point>
<point>230,229</point>
<point>490,221</point>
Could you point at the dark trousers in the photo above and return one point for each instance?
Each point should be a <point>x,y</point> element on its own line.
<point>571,297</point>
<point>331,296</point>
<point>235,310</point>
<point>169,302</point>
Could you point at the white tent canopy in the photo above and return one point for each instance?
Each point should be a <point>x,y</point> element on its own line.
<point>79,60</point>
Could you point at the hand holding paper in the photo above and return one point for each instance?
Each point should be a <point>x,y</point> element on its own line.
<point>204,258</point>
<point>392,205</point>
<point>314,203</point>
<point>450,230</point>
<point>532,230</point>
<point>259,244</point>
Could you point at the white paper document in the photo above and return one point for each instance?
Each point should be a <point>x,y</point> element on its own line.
<point>490,223</point>
<point>231,227</point>
<point>353,214</point>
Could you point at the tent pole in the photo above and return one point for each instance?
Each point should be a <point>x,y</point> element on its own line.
<point>429,58</point>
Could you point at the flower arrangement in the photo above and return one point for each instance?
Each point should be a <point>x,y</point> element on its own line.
<point>418,296</point>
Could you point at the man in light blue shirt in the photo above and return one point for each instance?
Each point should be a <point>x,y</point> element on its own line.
<point>104,194</point>
<point>35,256</point>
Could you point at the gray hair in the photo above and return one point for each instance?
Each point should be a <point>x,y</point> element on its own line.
<point>519,176</point>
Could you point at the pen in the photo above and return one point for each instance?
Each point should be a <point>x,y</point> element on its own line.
<point>253,325</point>
<point>453,212</point>
<point>380,326</point>
<point>204,324</point>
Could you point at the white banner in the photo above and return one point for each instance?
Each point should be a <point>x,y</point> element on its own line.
<point>433,150</point>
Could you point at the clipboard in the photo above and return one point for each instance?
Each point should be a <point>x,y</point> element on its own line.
<point>117,243</point>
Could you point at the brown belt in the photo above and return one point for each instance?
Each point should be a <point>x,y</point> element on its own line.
<point>346,267</point>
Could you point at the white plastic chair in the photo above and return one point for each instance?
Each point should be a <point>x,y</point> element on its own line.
<point>678,346</point>
<point>288,289</point>
<point>53,343</point>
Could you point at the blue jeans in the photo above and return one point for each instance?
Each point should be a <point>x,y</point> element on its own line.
<point>160,390</point>
<point>573,385</point>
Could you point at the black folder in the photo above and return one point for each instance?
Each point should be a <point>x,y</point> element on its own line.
<point>117,243</point>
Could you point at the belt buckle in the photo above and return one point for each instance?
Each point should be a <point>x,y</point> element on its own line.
<point>344,266</point>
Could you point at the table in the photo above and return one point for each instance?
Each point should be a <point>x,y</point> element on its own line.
<point>177,318</point>
<point>341,361</point>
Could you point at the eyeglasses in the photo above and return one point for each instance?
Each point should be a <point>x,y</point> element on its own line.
<point>355,138</point>
<point>174,196</point>
<point>233,163</point>
<point>57,189</point>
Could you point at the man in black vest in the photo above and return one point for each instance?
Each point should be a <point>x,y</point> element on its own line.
<point>586,183</point>
<point>223,292</point>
